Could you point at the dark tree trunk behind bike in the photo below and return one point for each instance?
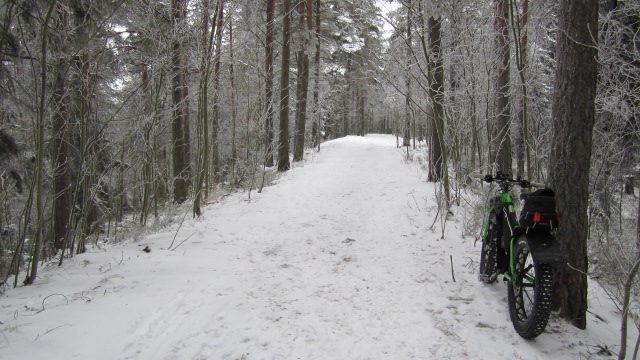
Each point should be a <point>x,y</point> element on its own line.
<point>502,135</point>
<point>573,116</point>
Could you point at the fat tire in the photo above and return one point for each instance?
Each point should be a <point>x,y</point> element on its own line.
<point>530,297</point>
<point>488,254</point>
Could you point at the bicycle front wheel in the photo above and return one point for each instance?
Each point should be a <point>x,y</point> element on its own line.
<point>530,295</point>
<point>488,254</point>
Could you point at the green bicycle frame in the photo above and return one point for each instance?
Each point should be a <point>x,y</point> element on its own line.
<point>506,201</point>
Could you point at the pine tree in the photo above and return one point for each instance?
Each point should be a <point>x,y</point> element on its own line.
<point>283,138</point>
<point>573,116</point>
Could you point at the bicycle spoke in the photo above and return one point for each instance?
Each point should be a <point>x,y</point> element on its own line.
<point>530,300</point>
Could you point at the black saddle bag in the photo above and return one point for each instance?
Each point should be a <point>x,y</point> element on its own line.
<point>539,211</point>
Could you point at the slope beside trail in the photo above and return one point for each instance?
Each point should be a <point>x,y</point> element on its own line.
<point>335,261</point>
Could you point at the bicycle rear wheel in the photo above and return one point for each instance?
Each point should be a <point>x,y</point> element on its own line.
<point>488,254</point>
<point>531,294</point>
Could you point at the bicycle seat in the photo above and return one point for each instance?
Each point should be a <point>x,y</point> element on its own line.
<point>544,192</point>
<point>524,194</point>
<point>540,192</point>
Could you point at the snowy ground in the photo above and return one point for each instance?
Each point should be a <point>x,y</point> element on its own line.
<point>336,261</point>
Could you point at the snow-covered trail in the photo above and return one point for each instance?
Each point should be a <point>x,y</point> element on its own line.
<point>334,262</point>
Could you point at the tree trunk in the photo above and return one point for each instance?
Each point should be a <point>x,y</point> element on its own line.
<point>361,111</point>
<point>406,141</point>
<point>345,99</point>
<point>62,197</point>
<point>215,143</point>
<point>201,186</point>
<point>180,144</point>
<point>438,151</point>
<point>436,91</point>
<point>316,86</point>
<point>186,124</point>
<point>628,286</point>
<point>626,302</point>
<point>234,105</point>
<point>268,65</point>
<point>519,30</point>
<point>524,118</point>
<point>305,8</point>
<point>89,153</point>
<point>573,115</point>
<point>503,112</point>
<point>39,155</point>
<point>147,173</point>
<point>283,139</point>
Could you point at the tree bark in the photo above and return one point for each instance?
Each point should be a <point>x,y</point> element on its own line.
<point>361,111</point>
<point>346,109</point>
<point>305,8</point>
<point>268,67</point>
<point>147,173</point>
<point>283,139</point>
<point>38,181</point>
<point>215,143</point>
<point>316,86</point>
<point>406,141</point>
<point>519,29</point>
<point>89,152</point>
<point>180,144</point>
<point>573,114</point>
<point>202,182</point>
<point>503,112</point>
<point>438,151</point>
<point>436,91</point>
<point>234,104</point>
<point>62,197</point>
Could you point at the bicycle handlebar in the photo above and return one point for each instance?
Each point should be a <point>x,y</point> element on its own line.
<point>504,178</point>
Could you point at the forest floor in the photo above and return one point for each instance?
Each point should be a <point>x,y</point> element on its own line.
<point>335,261</point>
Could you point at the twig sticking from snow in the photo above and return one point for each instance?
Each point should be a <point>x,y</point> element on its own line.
<point>50,330</point>
<point>611,296</point>
<point>414,200</point>
<point>57,327</point>
<point>43,300</point>
<point>121,258</point>
<point>597,316</point>
<point>435,219</point>
<point>105,266</point>
<point>183,241</point>
<point>177,231</point>
<point>453,276</point>
<point>7,340</point>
